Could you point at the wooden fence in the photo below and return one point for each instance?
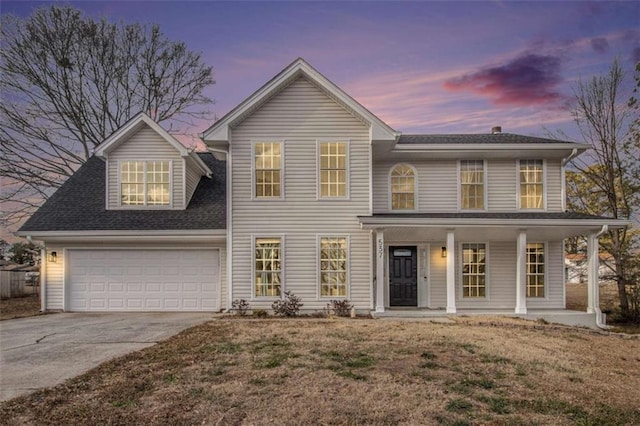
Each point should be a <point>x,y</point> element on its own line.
<point>15,284</point>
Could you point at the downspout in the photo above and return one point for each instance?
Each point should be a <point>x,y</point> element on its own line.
<point>599,322</point>
<point>563,179</point>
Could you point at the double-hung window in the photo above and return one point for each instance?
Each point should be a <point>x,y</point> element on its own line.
<point>531,184</point>
<point>333,173</point>
<point>334,258</point>
<point>472,184</point>
<point>535,270</point>
<point>268,169</point>
<point>474,281</point>
<point>403,187</point>
<point>267,279</point>
<point>145,183</point>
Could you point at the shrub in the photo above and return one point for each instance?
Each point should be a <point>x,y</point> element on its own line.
<point>341,308</point>
<point>289,306</point>
<point>240,306</point>
<point>260,313</point>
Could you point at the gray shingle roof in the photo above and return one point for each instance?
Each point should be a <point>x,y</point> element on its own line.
<point>79,205</point>
<point>481,138</point>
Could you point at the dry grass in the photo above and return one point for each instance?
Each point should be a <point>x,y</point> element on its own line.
<point>19,307</point>
<point>321,371</point>
<point>577,297</point>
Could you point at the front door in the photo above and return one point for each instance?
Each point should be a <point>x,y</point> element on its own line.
<point>403,276</point>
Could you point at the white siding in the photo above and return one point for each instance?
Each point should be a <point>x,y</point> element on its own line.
<point>193,178</point>
<point>554,291</point>
<point>502,185</point>
<point>300,115</point>
<point>438,277</point>
<point>54,287</point>
<point>554,185</point>
<point>146,144</point>
<point>437,185</point>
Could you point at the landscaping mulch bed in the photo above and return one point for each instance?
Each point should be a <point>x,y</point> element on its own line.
<point>19,307</point>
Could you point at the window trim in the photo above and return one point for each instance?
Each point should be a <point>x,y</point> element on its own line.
<point>319,238</point>
<point>254,197</point>
<point>485,185</point>
<point>544,185</point>
<point>545,247</point>
<point>460,286</point>
<point>347,162</point>
<point>144,206</point>
<point>282,238</point>
<point>390,188</point>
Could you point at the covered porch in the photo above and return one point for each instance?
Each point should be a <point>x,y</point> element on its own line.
<point>434,265</point>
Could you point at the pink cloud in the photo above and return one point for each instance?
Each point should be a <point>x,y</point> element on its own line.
<point>529,79</point>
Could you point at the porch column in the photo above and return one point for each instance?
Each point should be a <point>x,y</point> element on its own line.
<point>521,273</point>
<point>379,270</point>
<point>451,272</point>
<point>593,264</point>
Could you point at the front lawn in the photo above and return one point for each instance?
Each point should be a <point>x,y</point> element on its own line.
<point>322,371</point>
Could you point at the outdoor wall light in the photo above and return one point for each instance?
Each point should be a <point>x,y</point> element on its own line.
<point>53,257</point>
<point>443,253</point>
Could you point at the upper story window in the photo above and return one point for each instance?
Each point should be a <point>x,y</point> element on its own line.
<point>403,187</point>
<point>531,184</point>
<point>333,169</point>
<point>268,169</point>
<point>472,185</point>
<point>145,183</point>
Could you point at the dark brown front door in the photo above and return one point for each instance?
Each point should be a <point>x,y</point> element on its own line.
<point>403,276</point>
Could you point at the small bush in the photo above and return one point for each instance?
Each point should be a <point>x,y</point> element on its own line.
<point>341,308</point>
<point>260,313</point>
<point>240,306</point>
<point>289,306</point>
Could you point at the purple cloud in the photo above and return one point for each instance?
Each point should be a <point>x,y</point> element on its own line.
<point>600,44</point>
<point>526,80</point>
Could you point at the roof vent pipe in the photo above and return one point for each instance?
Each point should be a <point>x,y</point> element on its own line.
<point>496,129</point>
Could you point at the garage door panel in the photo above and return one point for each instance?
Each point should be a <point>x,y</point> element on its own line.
<point>143,280</point>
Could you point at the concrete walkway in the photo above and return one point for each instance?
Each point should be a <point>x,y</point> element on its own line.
<point>43,351</point>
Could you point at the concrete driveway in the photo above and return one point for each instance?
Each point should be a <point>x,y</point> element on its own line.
<point>43,351</point>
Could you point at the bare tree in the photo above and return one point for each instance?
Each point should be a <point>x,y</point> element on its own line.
<point>68,81</point>
<point>606,180</point>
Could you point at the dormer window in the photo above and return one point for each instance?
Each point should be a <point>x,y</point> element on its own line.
<point>145,183</point>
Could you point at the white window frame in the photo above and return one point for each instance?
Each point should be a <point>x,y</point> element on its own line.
<point>253,170</point>
<point>319,238</point>
<point>253,266</point>
<point>545,248</point>
<point>485,186</point>
<point>347,162</point>
<point>461,296</point>
<point>544,185</point>
<point>415,188</point>
<point>144,206</point>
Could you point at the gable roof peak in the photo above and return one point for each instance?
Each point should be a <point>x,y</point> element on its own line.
<point>219,131</point>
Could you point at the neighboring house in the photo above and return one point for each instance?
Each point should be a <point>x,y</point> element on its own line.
<point>577,268</point>
<point>306,190</point>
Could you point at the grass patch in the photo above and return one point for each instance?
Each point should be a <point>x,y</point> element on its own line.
<point>459,406</point>
<point>366,371</point>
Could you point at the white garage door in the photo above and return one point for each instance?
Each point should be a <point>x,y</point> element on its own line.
<point>143,280</point>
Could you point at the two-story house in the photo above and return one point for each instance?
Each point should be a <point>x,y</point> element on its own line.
<point>305,190</point>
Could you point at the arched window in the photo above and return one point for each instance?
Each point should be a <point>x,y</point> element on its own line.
<point>403,187</point>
